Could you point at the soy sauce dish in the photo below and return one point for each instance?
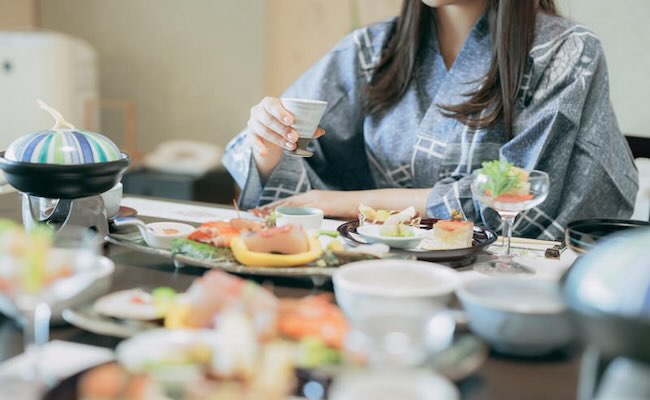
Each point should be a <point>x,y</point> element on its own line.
<point>157,234</point>
<point>523,317</point>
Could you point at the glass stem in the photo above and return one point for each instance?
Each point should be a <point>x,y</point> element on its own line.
<point>35,335</point>
<point>508,221</point>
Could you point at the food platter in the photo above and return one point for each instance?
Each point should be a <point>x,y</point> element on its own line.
<point>483,238</point>
<point>225,264</point>
<point>318,274</point>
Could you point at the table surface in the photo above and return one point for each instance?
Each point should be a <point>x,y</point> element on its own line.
<point>501,377</point>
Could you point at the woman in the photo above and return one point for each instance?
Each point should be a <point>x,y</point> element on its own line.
<point>416,104</point>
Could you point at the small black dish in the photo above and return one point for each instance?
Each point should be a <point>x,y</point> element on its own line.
<point>582,235</point>
<point>483,237</point>
<point>54,181</point>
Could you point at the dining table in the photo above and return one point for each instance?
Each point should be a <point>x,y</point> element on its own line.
<point>501,377</point>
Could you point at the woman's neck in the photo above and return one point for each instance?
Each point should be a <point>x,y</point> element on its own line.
<point>454,23</point>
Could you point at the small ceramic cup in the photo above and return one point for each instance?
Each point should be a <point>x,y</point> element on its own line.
<point>309,218</point>
<point>112,200</point>
<point>308,114</point>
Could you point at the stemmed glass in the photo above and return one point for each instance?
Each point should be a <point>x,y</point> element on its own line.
<point>508,206</point>
<point>36,272</point>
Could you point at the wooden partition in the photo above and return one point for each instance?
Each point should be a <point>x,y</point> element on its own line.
<point>299,32</point>
<point>18,14</point>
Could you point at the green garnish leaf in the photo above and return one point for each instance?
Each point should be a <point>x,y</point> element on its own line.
<point>502,178</point>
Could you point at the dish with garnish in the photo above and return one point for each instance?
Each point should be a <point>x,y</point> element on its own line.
<point>455,241</point>
<point>253,247</point>
<point>227,331</point>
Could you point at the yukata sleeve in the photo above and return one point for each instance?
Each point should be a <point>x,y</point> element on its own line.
<point>566,127</point>
<point>335,79</point>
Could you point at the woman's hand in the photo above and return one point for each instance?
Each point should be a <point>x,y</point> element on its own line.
<point>270,131</point>
<point>336,204</point>
<point>345,204</point>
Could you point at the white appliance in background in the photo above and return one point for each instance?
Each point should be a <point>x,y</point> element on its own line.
<point>59,69</point>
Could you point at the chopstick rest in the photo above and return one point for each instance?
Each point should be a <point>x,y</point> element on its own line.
<point>555,251</point>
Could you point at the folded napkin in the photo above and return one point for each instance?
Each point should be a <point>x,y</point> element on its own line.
<point>59,360</point>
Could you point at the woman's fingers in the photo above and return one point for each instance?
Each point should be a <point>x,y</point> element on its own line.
<point>319,132</point>
<point>273,106</point>
<point>278,127</point>
<point>270,135</point>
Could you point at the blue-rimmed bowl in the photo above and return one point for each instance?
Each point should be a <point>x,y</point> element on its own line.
<point>582,235</point>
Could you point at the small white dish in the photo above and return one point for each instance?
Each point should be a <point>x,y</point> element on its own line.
<point>309,218</point>
<point>133,304</point>
<point>157,234</point>
<point>372,234</point>
<point>393,280</point>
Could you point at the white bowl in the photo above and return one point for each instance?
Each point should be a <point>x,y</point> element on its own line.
<point>517,316</point>
<point>392,385</point>
<point>384,297</point>
<point>308,217</point>
<point>372,234</point>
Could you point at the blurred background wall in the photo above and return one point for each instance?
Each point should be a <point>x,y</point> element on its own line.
<point>193,68</point>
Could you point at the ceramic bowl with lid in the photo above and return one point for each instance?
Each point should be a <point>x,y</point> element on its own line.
<point>63,162</point>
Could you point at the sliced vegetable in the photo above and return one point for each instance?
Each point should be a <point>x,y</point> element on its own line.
<point>256,259</point>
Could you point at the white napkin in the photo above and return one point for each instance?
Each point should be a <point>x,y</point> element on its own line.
<point>59,359</point>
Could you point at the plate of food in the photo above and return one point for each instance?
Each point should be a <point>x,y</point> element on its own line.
<point>123,313</point>
<point>455,241</point>
<point>226,337</point>
<point>255,247</point>
<point>223,332</point>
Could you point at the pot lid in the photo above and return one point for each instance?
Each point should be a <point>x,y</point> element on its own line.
<point>62,144</point>
<point>614,277</point>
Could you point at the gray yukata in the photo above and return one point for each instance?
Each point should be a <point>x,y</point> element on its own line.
<point>564,125</point>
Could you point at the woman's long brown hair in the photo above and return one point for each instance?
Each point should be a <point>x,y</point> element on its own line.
<point>512,26</point>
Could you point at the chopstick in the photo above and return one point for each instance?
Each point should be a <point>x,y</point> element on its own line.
<point>538,242</point>
<point>550,248</point>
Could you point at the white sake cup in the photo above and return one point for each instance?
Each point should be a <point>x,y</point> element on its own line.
<point>308,114</point>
